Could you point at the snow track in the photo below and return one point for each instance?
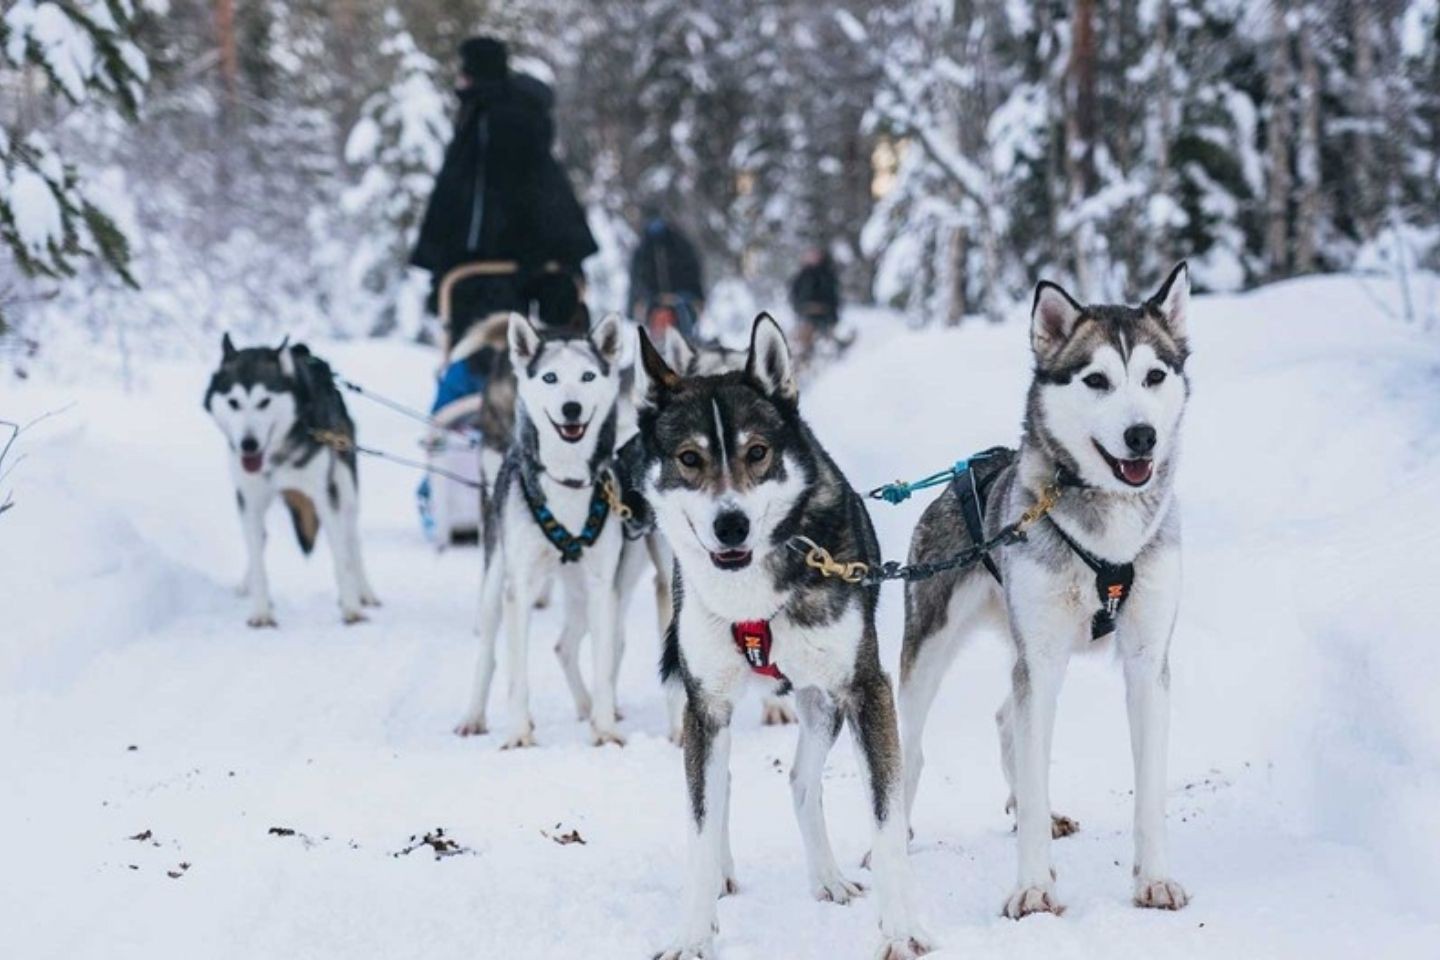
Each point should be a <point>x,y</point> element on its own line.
<point>1305,758</point>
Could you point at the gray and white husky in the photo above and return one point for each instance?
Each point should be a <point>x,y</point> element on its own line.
<point>1102,426</point>
<point>274,405</point>
<point>735,477</point>
<point>705,358</point>
<point>548,494</point>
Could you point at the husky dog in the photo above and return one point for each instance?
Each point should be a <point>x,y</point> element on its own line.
<point>735,477</point>
<point>1102,427</point>
<point>705,358</point>
<point>275,408</point>
<point>549,517</point>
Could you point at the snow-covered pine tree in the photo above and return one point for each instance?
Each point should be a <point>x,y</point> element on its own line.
<point>396,147</point>
<point>83,49</point>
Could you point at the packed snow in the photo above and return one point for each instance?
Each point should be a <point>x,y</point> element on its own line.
<point>180,785</point>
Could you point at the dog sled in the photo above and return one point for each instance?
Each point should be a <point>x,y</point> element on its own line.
<point>451,513</point>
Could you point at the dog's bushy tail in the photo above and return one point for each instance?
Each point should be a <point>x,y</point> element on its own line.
<point>305,517</point>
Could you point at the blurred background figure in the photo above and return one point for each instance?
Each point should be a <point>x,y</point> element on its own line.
<point>667,285</point>
<point>815,298</point>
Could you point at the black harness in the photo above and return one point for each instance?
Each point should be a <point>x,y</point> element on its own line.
<point>971,486</point>
<point>570,545</point>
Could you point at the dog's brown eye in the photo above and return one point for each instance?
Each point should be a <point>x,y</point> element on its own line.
<point>234,404</point>
<point>1097,381</point>
<point>1154,378</point>
<point>757,452</point>
<point>689,459</point>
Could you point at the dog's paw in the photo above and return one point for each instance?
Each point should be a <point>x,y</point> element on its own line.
<point>368,599</point>
<point>520,737</point>
<point>689,951</point>
<point>836,889</point>
<point>1062,826</point>
<point>1160,894</point>
<point>775,712</point>
<point>583,709</point>
<point>471,727</point>
<point>904,948</point>
<point>261,618</point>
<point>600,736</point>
<point>1028,900</point>
<point>352,617</point>
<point>728,888</point>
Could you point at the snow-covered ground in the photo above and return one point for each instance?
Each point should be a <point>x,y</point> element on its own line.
<point>1305,767</point>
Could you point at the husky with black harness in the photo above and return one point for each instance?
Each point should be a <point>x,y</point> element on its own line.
<point>290,436</point>
<point>551,516</point>
<point>1097,460</point>
<point>736,479</point>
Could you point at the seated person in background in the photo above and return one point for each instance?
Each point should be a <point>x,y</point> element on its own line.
<point>666,282</point>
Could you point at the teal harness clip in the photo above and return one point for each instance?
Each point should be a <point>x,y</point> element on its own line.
<point>899,491</point>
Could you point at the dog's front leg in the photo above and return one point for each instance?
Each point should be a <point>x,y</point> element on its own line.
<point>707,774</point>
<point>871,712</point>
<point>486,628</point>
<point>1147,698</point>
<point>253,505</point>
<point>1035,690</point>
<point>604,625</point>
<point>519,601</point>
<point>819,726</point>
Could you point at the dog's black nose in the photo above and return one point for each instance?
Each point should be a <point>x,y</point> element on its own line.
<point>249,445</point>
<point>731,528</point>
<point>571,411</point>
<point>1140,439</point>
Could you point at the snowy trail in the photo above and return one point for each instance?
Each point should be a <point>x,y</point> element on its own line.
<point>1305,759</point>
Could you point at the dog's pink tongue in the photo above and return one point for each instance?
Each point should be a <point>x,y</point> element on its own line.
<point>252,462</point>
<point>1135,471</point>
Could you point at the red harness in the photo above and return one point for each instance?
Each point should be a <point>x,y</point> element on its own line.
<point>753,639</point>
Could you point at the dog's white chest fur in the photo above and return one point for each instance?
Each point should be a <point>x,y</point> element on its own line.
<point>808,656</point>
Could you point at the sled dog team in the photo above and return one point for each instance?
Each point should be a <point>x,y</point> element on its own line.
<point>725,490</point>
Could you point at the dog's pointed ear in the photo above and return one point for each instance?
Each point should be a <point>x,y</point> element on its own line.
<point>678,351</point>
<point>606,337</point>
<point>654,380</point>
<point>1172,300</point>
<point>524,340</point>
<point>769,363</point>
<point>1053,318</point>
<point>227,347</point>
<point>287,357</point>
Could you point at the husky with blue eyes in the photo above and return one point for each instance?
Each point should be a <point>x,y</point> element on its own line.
<point>1102,436</point>
<point>274,406</point>
<point>552,516</point>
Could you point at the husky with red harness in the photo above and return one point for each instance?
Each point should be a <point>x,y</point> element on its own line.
<point>736,480</point>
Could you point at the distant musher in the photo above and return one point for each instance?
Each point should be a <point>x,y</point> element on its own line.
<point>667,287</point>
<point>815,298</point>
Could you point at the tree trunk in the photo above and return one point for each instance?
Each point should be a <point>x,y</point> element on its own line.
<point>1367,197</point>
<point>1080,130</point>
<point>1279,83</point>
<point>229,51</point>
<point>1307,216</point>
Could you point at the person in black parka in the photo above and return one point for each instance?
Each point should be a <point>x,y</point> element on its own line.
<point>501,196</point>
